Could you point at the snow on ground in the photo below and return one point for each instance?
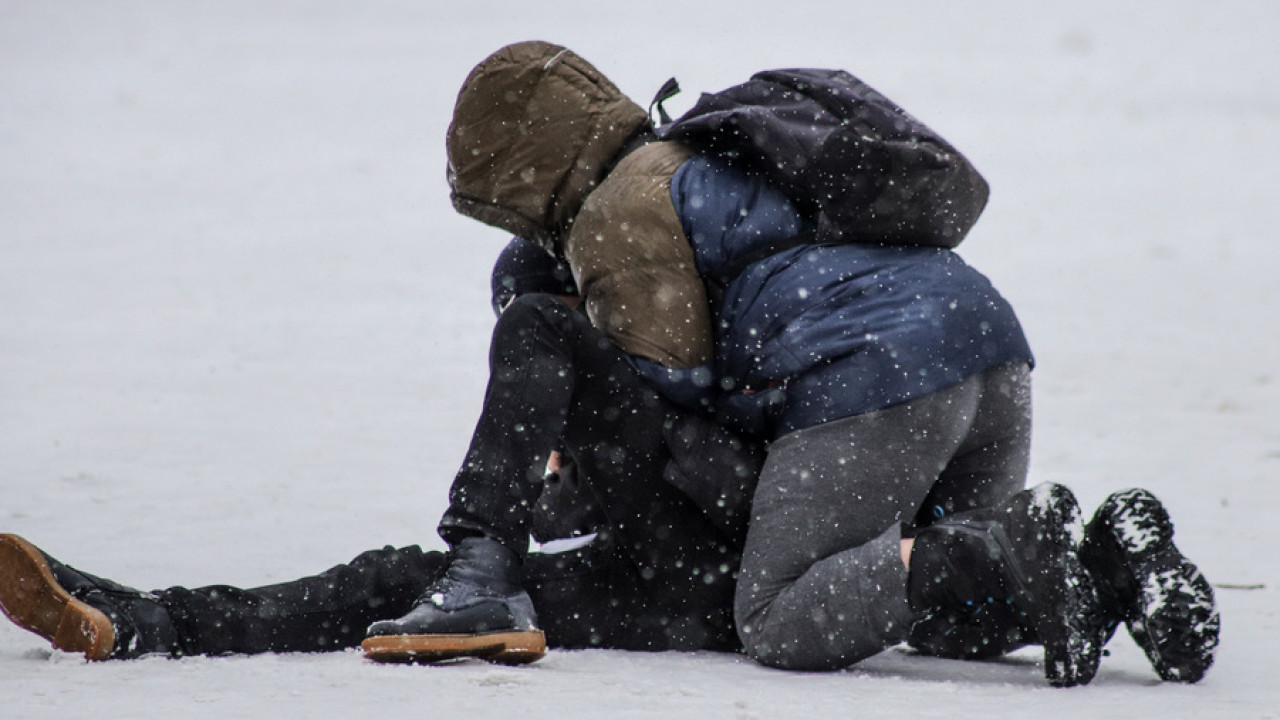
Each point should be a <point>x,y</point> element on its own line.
<point>242,333</point>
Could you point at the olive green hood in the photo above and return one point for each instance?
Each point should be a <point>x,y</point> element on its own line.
<point>534,130</point>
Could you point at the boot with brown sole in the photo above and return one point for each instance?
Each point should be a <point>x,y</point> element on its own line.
<point>32,598</point>
<point>509,647</point>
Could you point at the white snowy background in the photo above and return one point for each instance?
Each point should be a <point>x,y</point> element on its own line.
<point>243,334</point>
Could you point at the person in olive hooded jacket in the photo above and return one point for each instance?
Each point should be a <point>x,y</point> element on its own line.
<point>891,383</point>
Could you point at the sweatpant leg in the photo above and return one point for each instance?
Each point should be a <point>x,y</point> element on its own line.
<point>822,583</point>
<point>990,466</point>
<point>324,612</point>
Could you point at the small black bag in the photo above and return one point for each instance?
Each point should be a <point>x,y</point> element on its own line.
<point>859,166</point>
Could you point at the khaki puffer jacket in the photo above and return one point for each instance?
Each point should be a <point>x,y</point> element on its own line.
<point>535,132</point>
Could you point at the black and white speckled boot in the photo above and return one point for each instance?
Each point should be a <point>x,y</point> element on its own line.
<point>1146,582</point>
<point>1023,553</point>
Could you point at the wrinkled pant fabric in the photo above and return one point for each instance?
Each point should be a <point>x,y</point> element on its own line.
<point>557,381</point>
<point>822,584</point>
<point>590,597</point>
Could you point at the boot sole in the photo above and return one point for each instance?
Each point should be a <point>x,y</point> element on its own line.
<point>1062,602</point>
<point>1175,618</point>
<point>32,598</point>
<point>517,647</point>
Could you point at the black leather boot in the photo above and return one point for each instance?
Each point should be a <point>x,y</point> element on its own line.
<point>1145,581</point>
<point>78,612</point>
<point>476,609</point>
<point>972,632</point>
<point>1023,553</point>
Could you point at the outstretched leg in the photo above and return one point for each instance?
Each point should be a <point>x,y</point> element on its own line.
<point>590,597</point>
<point>317,613</point>
<point>84,613</point>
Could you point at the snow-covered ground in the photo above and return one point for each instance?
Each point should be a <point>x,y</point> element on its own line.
<point>242,332</point>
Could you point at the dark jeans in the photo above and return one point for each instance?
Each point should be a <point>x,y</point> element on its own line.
<point>591,597</point>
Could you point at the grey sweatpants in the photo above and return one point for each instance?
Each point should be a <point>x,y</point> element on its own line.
<point>822,584</point>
